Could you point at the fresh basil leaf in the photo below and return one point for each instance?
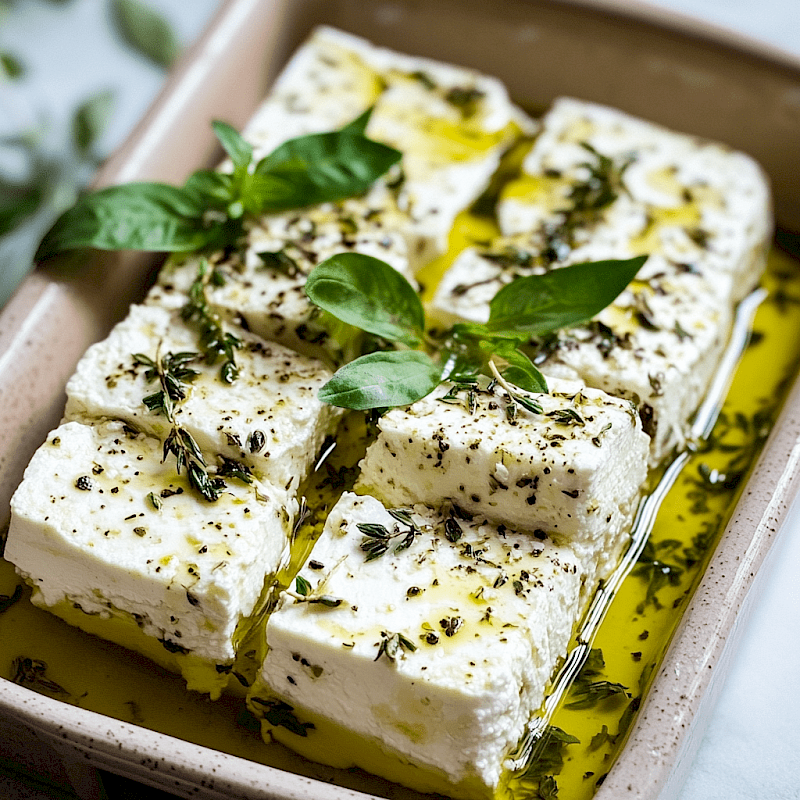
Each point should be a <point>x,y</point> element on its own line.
<point>537,304</point>
<point>369,294</point>
<point>135,216</point>
<point>239,150</point>
<point>90,120</point>
<point>146,31</point>
<point>521,371</point>
<point>465,331</point>
<point>324,167</point>
<point>266,192</point>
<point>359,125</point>
<point>211,189</point>
<point>382,380</point>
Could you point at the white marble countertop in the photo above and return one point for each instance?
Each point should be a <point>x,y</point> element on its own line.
<point>750,747</point>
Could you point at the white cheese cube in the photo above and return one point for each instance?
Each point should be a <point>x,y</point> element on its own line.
<point>269,418</point>
<point>484,614</point>
<point>573,471</point>
<point>264,285</point>
<point>100,526</point>
<point>658,344</point>
<point>452,124</point>
<point>682,199</point>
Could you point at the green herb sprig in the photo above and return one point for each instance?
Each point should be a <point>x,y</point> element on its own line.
<point>282,715</point>
<point>394,645</point>
<point>172,372</point>
<point>209,209</point>
<point>547,761</point>
<point>33,672</point>
<point>214,340</point>
<point>304,593</point>
<point>378,538</point>
<point>589,197</point>
<point>589,689</point>
<point>369,294</point>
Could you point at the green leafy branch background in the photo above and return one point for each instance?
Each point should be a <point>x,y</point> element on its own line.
<point>47,155</point>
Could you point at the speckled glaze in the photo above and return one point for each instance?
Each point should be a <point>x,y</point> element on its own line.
<point>644,61</point>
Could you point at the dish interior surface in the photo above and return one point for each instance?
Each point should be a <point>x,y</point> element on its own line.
<point>94,674</point>
<point>636,631</point>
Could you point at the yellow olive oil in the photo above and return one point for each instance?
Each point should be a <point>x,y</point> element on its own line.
<point>592,719</point>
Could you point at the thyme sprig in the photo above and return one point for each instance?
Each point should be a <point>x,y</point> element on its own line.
<point>172,372</point>
<point>304,593</point>
<point>394,645</point>
<point>214,340</point>
<point>589,197</point>
<point>377,537</point>
<point>32,672</point>
<point>664,563</point>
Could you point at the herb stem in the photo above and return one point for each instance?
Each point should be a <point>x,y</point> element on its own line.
<point>499,378</point>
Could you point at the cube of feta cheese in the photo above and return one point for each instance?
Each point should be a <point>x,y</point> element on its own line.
<point>573,471</point>
<point>678,198</point>
<point>264,284</point>
<point>658,344</point>
<point>269,418</point>
<point>700,211</point>
<point>101,526</point>
<point>599,184</point>
<point>420,646</point>
<point>452,124</point>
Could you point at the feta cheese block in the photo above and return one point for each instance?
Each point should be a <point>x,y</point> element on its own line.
<point>573,471</point>
<point>263,286</point>
<point>677,197</point>
<point>268,418</point>
<point>658,344</point>
<point>599,184</point>
<point>113,540</point>
<point>417,644</point>
<point>452,124</point>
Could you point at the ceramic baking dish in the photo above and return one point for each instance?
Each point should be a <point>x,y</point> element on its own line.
<point>660,66</point>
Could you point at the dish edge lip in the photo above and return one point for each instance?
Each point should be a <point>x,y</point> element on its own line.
<point>691,26</point>
<point>754,524</point>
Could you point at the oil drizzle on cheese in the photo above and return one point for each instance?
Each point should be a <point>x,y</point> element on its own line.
<point>633,637</point>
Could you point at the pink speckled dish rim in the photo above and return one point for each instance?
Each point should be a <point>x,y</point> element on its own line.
<point>666,67</point>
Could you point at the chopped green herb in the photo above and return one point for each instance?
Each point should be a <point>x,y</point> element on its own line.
<point>33,673</point>
<point>546,760</point>
<point>393,645</point>
<point>282,262</point>
<point>6,601</point>
<point>587,691</point>
<point>281,714</point>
